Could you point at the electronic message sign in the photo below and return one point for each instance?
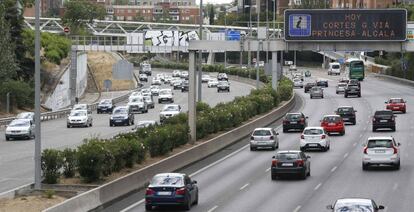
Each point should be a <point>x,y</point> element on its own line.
<point>346,25</point>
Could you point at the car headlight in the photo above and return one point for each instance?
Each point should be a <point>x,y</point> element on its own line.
<point>24,131</point>
<point>84,119</point>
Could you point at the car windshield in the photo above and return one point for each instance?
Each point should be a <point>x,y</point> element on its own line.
<point>383,113</point>
<point>206,76</point>
<point>79,107</point>
<point>313,131</point>
<point>261,133</point>
<point>23,115</point>
<point>297,80</point>
<point>353,86</point>
<point>293,116</point>
<point>316,89</point>
<point>223,83</point>
<point>19,124</point>
<point>165,92</point>
<point>136,100</point>
<point>213,80</point>
<point>147,98</point>
<point>332,119</point>
<point>380,143</point>
<point>287,156</point>
<point>78,113</point>
<point>335,66</point>
<point>396,101</point>
<point>120,111</point>
<point>171,108</point>
<point>341,84</point>
<point>345,109</point>
<point>167,181</point>
<point>353,207</point>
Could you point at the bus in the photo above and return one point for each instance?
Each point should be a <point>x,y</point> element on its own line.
<point>355,69</point>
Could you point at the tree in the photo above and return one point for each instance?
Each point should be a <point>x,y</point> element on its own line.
<point>211,13</point>
<point>8,63</point>
<point>80,11</point>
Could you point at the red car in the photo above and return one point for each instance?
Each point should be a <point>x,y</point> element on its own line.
<point>396,104</point>
<point>333,124</point>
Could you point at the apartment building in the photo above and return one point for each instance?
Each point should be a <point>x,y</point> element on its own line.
<point>367,4</point>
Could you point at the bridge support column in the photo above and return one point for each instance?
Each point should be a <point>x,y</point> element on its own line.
<point>275,70</point>
<point>73,76</point>
<point>211,58</point>
<point>192,96</point>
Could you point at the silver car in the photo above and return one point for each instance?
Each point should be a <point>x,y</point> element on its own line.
<point>340,88</point>
<point>150,101</point>
<point>355,204</point>
<point>381,151</point>
<point>316,92</point>
<point>264,138</point>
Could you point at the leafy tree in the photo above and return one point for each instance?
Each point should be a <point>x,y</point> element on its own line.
<point>8,63</point>
<point>80,11</point>
<point>211,13</point>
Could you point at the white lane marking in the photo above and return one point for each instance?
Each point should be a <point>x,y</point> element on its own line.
<point>243,187</point>
<point>297,208</point>
<point>346,155</point>
<point>268,169</point>
<point>213,208</point>
<point>317,187</point>
<point>354,144</point>
<point>395,186</point>
<point>333,169</point>
<point>133,205</point>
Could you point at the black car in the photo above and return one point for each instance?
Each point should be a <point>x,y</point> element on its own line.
<point>184,86</point>
<point>308,86</point>
<point>291,162</point>
<point>171,189</point>
<point>223,86</point>
<point>352,90</point>
<point>222,76</point>
<point>322,82</point>
<point>294,121</point>
<point>355,82</point>
<point>105,106</point>
<point>347,113</point>
<point>383,119</point>
<point>122,115</point>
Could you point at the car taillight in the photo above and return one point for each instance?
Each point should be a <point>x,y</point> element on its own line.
<point>324,123</point>
<point>300,162</point>
<point>365,150</point>
<point>395,150</point>
<point>274,162</point>
<point>302,136</point>
<point>323,136</point>
<point>149,192</point>
<point>302,120</point>
<point>180,191</point>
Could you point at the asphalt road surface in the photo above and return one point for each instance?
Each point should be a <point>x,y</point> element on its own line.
<point>241,182</point>
<point>16,156</point>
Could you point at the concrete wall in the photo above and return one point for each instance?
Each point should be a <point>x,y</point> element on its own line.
<point>109,192</point>
<point>60,98</point>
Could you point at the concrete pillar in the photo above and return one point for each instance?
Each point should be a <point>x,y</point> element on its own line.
<point>73,76</point>
<point>192,96</point>
<point>275,72</point>
<point>210,59</point>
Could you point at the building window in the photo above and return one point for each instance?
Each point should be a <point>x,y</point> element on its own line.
<point>129,18</point>
<point>143,11</point>
<point>120,18</point>
<point>129,11</point>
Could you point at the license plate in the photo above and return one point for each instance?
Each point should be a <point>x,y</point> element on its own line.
<point>287,164</point>
<point>331,124</point>
<point>383,120</point>
<point>346,119</point>
<point>293,122</point>
<point>164,193</point>
<point>313,145</point>
<point>379,151</point>
<point>396,108</point>
<point>118,120</point>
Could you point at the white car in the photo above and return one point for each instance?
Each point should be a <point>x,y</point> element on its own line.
<point>264,138</point>
<point>184,74</point>
<point>314,138</point>
<point>20,128</point>
<point>155,90</point>
<point>80,107</point>
<point>26,115</point>
<point>138,104</point>
<point>134,94</point>
<point>169,111</point>
<point>167,79</point>
<point>143,77</point>
<point>297,83</point>
<point>176,73</point>
<point>177,84</point>
<point>79,118</point>
<point>146,92</point>
<point>381,151</point>
<point>355,204</point>
<point>146,123</point>
<point>205,78</point>
<point>156,81</point>
<point>212,83</point>
<point>161,77</point>
<point>334,68</point>
<point>166,95</point>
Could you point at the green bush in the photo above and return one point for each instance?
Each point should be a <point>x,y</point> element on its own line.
<point>69,162</point>
<point>53,56</point>
<point>52,162</point>
<point>91,160</point>
<point>21,93</point>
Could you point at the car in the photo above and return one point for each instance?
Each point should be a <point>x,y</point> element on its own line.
<point>314,138</point>
<point>143,78</point>
<point>222,76</point>
<point>205,78</point>
<point>212,83</point>
<point>383,119</point>
<point>223,86</point>
<point>166,95</point>
<point>146,69</point>
<point>294,121</point>
<point>176,73</point>
<point>347,114</point>
<point>177,84</point>
<point>20,128</point>
<point>354,82</point>
<point>105,106</point>
<point>333,124</point>
<point>290,162</point>
<point>184,86</point>
<point>26,115</point>
<point>292,68</point>
<point>161,77</point>
<point>155,90</point>
<point>334,68</point>
<point>297,83</point>
<point>138,104</point>
<point>168,111</point>
<point>150,101</point>
<point>340,87</point>
<point>308,86</point>
<point>308,73</point>
<point>316,92</point>
<point>134,94</point>
<point>171,189</point>
<point>381,151</point>
<point>355,204</point>
<point>322,82</point>
<point>343,80</point>
<point>352,90</point>
<point>264,138</point>
<point>146,92</point>
<point>156,81</point>
<point>167,79</point>
<point>396,104</point>
<point>79,118</point>
<point>146,123</point>
<point>122,115</point>
<point>184,74</point>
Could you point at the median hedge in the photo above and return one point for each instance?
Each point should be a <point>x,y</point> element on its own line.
<point>97,158</point>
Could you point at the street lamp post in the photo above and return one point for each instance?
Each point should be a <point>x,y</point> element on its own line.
<point>38,146</point>
<point>258,48</point>
<point>200,54</point>
<point>225,33</point>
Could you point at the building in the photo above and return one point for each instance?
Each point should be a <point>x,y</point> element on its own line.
<point>367,4</point>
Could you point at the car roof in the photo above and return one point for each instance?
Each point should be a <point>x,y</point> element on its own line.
<point>380,138</point>
<point>121,107</point>
<point>331,116</point>
<point>20,120</point>
<point>293,113</point>
<point>396,98</point>
<point>345,107</point>
<point>263,128</point>
<point>170,174</point>
<point>351,200</point>
<point>288,151</point>
<point>171,105</point>
<point>319,128</point>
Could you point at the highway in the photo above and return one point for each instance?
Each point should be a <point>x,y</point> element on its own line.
<point>241,182</point>
<point>16,156</point>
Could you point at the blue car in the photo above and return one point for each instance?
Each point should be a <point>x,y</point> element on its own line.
<point>171,189</point>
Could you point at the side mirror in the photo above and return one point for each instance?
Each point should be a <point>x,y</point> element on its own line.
<point>381,207</point>
<point>306,117</point>
<point>386,102</point>
<point>329,207</point>
<point>273,157</point>
<point>277,133</point>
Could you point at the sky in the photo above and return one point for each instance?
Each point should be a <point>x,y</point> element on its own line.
<point>213,1</point>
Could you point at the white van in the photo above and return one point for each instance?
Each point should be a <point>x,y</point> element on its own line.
<point>334,68</point>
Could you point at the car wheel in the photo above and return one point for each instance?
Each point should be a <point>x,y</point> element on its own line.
<point>322,97</point>
<point>285,130</point>
<point>404,111</point>
<point>343,132</point>
<point>309,173</point>
<point>273,176</point>
<point>302,149</point>
<point>196,199</point>
<point>68,126</point>
<point>7,138</point>
<point>364,167</point>
<point>354,122</point>
<point>187,206</point>
<point>159,101</point>
<point>374,129</point>
<point>303,175</point>
<point>111,125</point>
<point>393,129</point>
<point>252,148</point>
<point>397,166</point>
<point>148,207</point>
<point>337,92</point>
<point>311,97</point>
<point>90,125</point>
<point>346,96</point>
<point>359,95</point>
